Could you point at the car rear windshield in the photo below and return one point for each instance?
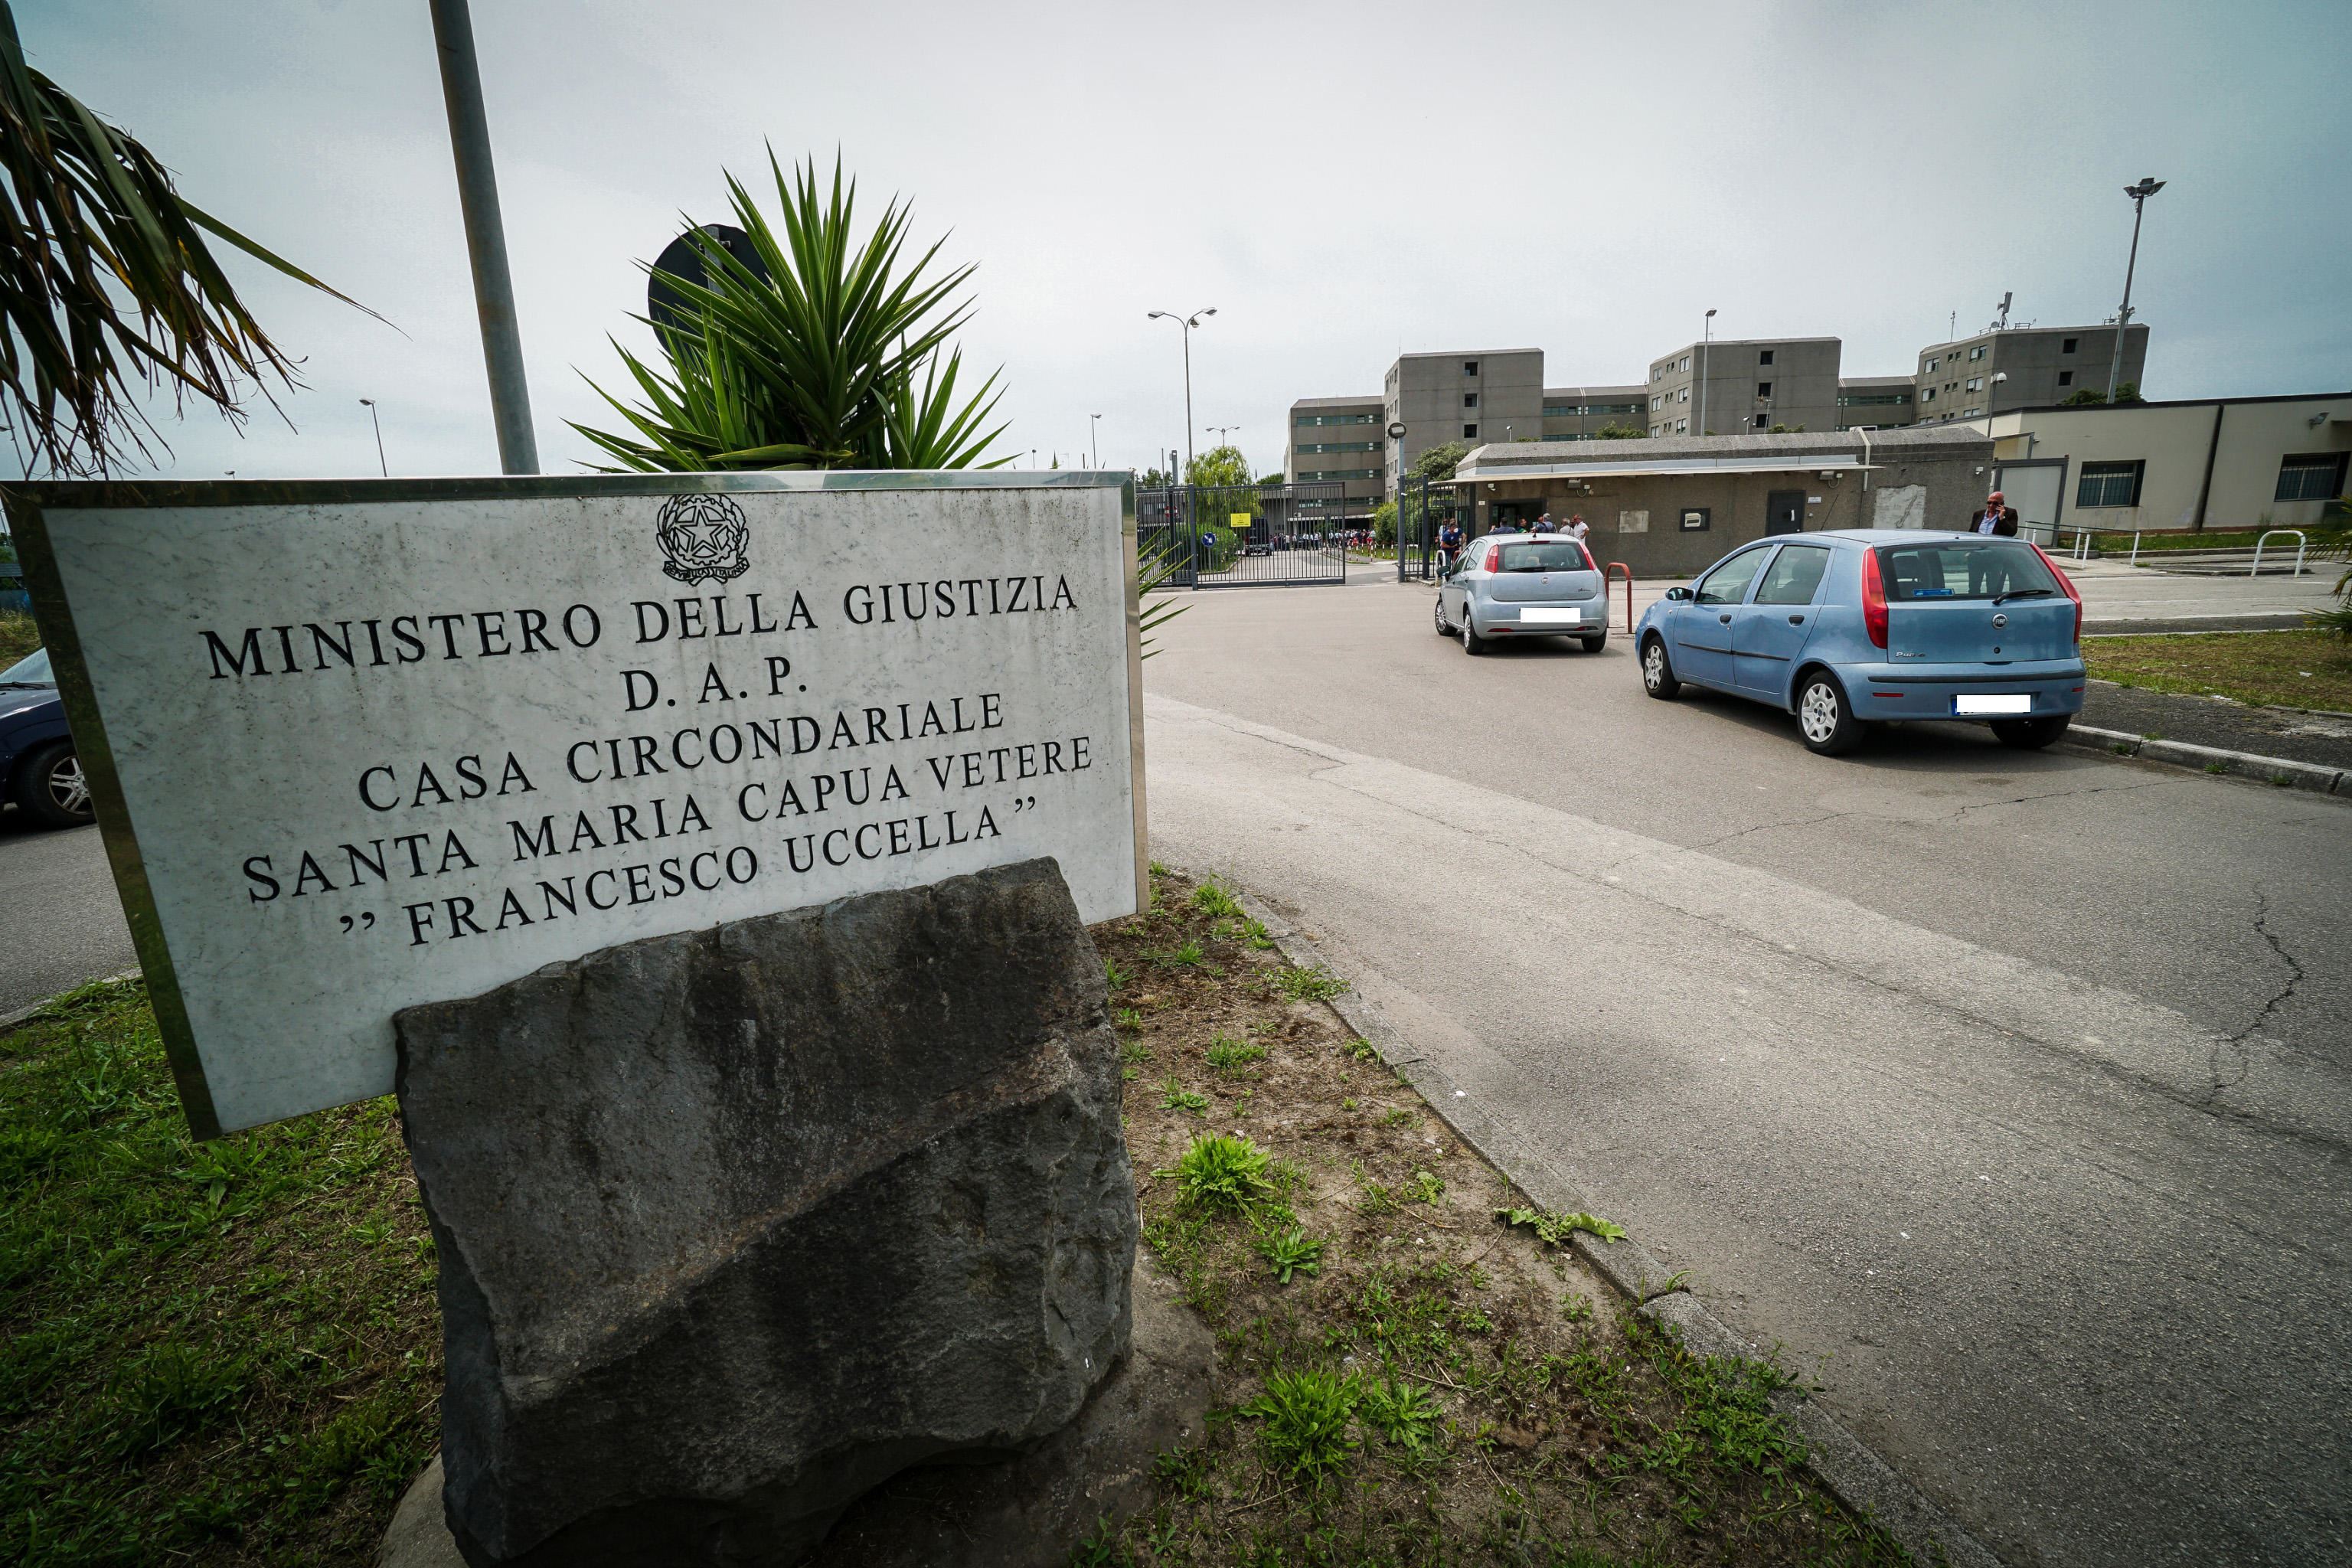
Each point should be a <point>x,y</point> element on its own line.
<point>1551,556</point>
<point>1963,569</point>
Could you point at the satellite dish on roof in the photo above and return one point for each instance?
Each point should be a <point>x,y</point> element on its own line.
<point>680,259</point>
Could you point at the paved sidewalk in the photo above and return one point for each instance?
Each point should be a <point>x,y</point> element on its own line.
<point>2208,722</point>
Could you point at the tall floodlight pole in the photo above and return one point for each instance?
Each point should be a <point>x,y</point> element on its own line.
<point>1094,441</point>
<point>1705,341</point>
<point>1188,323</point>
<point>486,236</point>
<point>2139,195</point>
<point>382,465</point>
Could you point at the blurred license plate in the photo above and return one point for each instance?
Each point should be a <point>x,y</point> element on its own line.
<point>2006,703</point>
<point>1551,617</point>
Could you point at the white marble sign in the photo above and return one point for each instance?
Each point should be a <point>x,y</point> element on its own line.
<point>361,746</point>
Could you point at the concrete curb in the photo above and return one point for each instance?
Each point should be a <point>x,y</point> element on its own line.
<point>26,1014</point>
<point>2317,777</point>
<point>1846,1465</point>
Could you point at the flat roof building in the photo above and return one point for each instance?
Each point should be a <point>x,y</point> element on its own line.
<point>2003,368</point>
<point>2225,462</point>
<point>1337,440</point>
<point>1582,413</point>
<point>1740,385</point>
<point>1879,402</point>
<point>1674,504</point>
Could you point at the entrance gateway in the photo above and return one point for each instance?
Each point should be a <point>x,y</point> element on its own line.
<point>361,745</point>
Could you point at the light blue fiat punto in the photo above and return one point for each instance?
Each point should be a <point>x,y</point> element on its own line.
<point>1851,628</point>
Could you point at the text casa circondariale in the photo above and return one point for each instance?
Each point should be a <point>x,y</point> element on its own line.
<point>807,766</point>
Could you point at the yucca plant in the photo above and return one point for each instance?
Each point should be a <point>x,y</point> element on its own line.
<point>2331,537</point>
<point>830,353</point>
<point>105,281</point>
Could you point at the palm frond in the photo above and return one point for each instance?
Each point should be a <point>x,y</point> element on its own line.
<point>106,281</point>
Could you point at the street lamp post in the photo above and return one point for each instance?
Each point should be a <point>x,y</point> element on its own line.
<point>1094,441</point>
<point>380,463</point>
<point>1705,341</point>
<point>1188,323</point>
<point>2139,193</point>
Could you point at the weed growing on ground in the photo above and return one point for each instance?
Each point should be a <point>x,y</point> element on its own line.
<point>1113,977</point>
<point>1555,1228</point>
<point>1311,985</point>
<point>1216,900</point>
<point>1174,1096</point>
<point>1229,1055</point>
<point>1398,1116</point>
<point>1290,1252</point>
<point>1307,1417</point>
<point>1220,1172</point>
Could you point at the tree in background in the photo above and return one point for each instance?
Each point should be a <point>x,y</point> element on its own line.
<point>105,281</point>
<point>2086,397</point>
<point>1621,433</point>
<point>1219,465</point>
<point>1439,462</point>
<point>827,355</point>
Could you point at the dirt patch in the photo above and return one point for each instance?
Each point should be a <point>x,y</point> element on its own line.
<point>1432,1384</point>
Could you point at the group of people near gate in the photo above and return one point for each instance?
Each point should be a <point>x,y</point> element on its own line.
<point>1449,537</point>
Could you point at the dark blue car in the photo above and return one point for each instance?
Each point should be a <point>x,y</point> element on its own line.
<point>1849,629</point>
<point>38,766</point>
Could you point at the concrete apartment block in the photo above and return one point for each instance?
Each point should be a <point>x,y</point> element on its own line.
<point>1741,385</point>
<point>2021,367</point>
<point>1473,395</point>
<point>1582,412</point>
<point>1338,440</point>
<point>1882,402</point>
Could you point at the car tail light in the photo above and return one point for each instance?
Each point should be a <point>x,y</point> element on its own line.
<point>1493,562</point>
<point>2066,582</point>
<point>1874,599</point>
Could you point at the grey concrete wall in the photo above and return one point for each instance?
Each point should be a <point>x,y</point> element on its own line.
<point>1736,504</point>
<point>1802,377</point>
<point>1430,392</point>
<point>2033,358</point>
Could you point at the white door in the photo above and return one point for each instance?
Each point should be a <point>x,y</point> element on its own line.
<point>2033,491</point>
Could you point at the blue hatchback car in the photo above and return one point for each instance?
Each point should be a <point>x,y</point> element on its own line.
<point>1851,628</point>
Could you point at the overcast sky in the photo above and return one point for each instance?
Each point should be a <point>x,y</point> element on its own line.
<point>1342,182</point>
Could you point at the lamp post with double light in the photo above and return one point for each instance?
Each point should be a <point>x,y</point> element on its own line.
<point>1188,323</point>
<point>1705,341</point>
<point>369,403</point>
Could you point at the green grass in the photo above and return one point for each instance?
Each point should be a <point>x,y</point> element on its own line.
<point>1229,1055</point>
<point>2287,669</point>
<point>225,1352</point>
<point>2213,538</point>
<point>1314,984</point>
<point>19,637</point>
<point>1223,1174</point>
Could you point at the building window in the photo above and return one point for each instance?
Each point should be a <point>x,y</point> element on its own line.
<point>1469,367</point>
<point>1469,400</point>
<point>2109,484</point>
<point>1683,395</point>
<point>1765,357</point>
<point>1929,369</point>
<point>1977,352</point>
<point>1682,426</point>
<point>1685,363</point>
<point>2067,347</point>
<point>2065,378</point>
<point>1337,419</point>
<point>1928,395</point>
<point>1976,383</point>
<point>2315,476</point>
<point>1763,389</point>
<point>1469,432</point>
<point>1760,419</point>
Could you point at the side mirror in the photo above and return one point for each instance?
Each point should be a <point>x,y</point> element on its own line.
<point>1678,594</point>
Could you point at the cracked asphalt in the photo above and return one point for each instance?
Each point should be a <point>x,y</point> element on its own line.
<point>2010,1094</point>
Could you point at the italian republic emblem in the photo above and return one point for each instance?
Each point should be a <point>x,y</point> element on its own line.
<point>706,537</point>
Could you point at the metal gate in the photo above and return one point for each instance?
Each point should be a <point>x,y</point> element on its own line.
<point>1424,511</point>
<point>1243,536</point>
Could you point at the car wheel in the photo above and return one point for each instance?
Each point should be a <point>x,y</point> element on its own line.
<point>1657,675</point>
<point>1823,717</point>
<point>1443,629</point>
<point>2029,734</point>
<point>1472,642</point>
<point>1594,644</point>
<point>52,789</point>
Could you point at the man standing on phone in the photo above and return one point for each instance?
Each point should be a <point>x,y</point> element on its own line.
<point>1998,517</point>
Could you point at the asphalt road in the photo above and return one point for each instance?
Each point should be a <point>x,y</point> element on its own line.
<point>2010,1093</point>
<point>60,924</point>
